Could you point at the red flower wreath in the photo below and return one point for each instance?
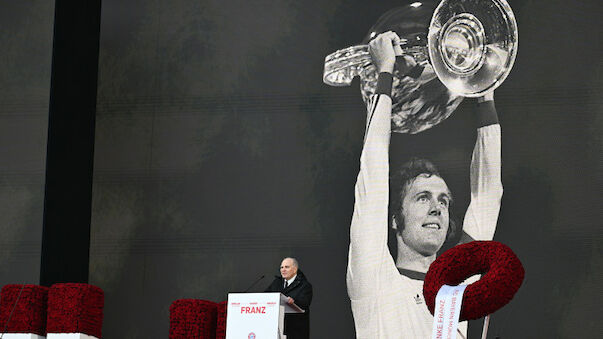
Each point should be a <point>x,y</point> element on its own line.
<point>503,276</point>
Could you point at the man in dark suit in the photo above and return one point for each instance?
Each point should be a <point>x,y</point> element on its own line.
<point>294,285</point>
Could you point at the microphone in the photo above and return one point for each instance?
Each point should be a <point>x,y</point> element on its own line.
<point>255,282</point>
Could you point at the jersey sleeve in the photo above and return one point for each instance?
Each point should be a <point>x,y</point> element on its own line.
<point>486,186</point>
<point>368,252</point>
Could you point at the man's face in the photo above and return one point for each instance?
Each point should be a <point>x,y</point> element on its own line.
<point>288,270</point>
<point>426,216</point>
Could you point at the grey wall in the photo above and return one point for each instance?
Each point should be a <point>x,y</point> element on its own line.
<point>214,134</point>
<point>25,60</point>
<point>219,151</point>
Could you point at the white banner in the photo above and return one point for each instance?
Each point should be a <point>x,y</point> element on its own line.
<point>253,316</point>
<point>447,311</point>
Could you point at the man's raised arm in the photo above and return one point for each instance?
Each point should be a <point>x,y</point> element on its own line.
<point>485,175</point>
<point>369,228</point>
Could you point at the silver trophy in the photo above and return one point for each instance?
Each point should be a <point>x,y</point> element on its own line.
<point>463,48</point>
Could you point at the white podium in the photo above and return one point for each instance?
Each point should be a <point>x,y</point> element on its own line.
<point>257,315</point>
<point>48,336</point>
<point>69,336</point>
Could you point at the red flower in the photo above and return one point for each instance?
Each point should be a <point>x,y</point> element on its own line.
<point>193,319</point>
<point>221,323</point>
<point>75,308</point>
<point>29,315</point>
<point>503,276</point>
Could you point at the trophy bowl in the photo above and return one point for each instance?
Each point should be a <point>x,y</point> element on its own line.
<point>462,48</point>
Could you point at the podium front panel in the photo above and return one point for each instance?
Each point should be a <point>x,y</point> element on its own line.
<point>253,315</point>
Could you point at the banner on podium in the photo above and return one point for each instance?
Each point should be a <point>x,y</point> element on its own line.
<point>253,315</point>
<point>257,315</point>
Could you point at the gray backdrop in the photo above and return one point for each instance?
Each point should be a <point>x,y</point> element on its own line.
<point>219,151</point>
<point>25,59</point>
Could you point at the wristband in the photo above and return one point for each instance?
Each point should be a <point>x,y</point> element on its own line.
<point>384,84</point>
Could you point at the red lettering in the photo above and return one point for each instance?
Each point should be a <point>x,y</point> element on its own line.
<point>450,328</point>
<point>453,306</point>
<point>441,311</point>
<point>256,309</point>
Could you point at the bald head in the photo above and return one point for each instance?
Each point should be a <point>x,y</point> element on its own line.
<point>289,268</point>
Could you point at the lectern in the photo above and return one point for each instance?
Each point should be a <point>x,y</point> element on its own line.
<point>257,315</point>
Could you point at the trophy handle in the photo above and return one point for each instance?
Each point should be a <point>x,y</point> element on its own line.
<point>343,65</point>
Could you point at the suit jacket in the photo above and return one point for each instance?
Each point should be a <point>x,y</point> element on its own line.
<point>297,326</point>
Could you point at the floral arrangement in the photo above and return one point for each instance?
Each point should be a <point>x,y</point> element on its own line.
<point>75,308</point>
<point>193,319</point>
<point>25,305</point>
<point>221,322</point>
<point>502,276</point>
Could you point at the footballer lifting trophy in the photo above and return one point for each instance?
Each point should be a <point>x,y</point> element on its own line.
<point>462,48</point>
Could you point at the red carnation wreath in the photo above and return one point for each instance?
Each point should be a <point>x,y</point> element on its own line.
<point>502,275</point>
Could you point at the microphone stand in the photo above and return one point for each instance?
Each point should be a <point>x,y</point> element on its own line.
<point>255,282</point>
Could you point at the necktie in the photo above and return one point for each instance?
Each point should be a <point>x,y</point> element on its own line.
<point>286,283</point>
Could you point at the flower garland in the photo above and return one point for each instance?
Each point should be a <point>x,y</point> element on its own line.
<point>193,319</point>
<point>503,276</point>
<point>75,308</point>
<point>28,312</point>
